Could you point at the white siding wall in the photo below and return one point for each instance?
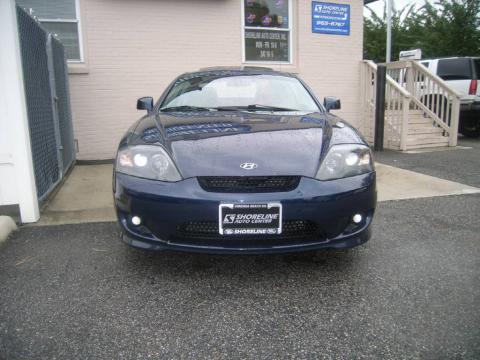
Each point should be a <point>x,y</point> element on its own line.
<point>330,64</point>
<point>135,48</point>
<point>17,182</point>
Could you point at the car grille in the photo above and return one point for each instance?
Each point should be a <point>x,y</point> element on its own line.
<point>291,229</point>
<point>248,184</point>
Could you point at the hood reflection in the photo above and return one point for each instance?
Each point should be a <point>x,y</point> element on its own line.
<point>205,128</point>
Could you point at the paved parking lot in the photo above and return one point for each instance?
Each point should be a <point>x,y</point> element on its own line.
<point>74,291</point>
<point>413,291</point>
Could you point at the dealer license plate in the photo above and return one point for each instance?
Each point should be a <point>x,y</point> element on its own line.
<point>250,219</point>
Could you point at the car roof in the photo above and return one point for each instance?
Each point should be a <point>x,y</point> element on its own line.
<point>238,68</point>
<point>235,70</point>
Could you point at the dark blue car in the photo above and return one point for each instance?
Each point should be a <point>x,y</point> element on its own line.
<point>243,160</point>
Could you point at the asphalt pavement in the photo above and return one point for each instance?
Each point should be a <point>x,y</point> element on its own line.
<point>413,291</point>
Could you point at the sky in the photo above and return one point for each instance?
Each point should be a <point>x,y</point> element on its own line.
<point>377,6</point>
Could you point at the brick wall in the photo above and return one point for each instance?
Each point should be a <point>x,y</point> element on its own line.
<point>135,48</point>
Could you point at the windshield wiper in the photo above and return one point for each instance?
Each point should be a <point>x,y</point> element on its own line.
<point>253,107</point>
<point>185,108</point>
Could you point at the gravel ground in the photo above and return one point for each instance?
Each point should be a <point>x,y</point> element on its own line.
<point>460,165</point>
<point>413,291</point>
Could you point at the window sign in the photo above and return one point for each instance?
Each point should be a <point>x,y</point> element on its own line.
<point>330,18</point>
<point>267,31</point>
<point>262,45</point>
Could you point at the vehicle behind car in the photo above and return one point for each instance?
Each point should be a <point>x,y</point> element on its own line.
<point>462,75</point>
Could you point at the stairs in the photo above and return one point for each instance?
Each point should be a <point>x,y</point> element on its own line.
<point>413,107</point>
<point>422,133</point>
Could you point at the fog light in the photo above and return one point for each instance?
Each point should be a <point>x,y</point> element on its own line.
<point>357,218</point>
<point>136,220</point>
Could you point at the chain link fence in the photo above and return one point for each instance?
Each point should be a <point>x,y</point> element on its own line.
<point>48,103</point>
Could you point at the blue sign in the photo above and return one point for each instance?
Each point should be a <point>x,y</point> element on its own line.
<point>330,18</point>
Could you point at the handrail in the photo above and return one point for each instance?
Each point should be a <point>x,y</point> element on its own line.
<point>431,94</point>
<point>430,113</point>
<point>397,103</point>
<point>436,78</point>
<point>417,89</point>
<point>389,79</point>
<point>401,64</point>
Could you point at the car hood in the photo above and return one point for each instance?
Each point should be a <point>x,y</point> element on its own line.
<point>218,143</point>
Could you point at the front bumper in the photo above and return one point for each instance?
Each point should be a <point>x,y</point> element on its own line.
<point>167,209</point>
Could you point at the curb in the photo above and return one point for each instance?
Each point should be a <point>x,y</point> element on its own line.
<point>7,226</point>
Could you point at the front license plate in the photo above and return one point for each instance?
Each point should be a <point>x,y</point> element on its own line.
<point>250,219</point>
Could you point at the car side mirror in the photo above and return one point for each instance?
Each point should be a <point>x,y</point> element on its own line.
<point>331,103</point>
<point>145,103</point>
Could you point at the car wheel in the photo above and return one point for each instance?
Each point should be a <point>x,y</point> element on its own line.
<point>470,127</point>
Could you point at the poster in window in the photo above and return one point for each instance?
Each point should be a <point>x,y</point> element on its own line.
<point>266,45</point>
<point>266,13</point>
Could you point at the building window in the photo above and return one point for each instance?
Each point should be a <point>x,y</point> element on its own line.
<point>59,17</point>
<point>267,31</point>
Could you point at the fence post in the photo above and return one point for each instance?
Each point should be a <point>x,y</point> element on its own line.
<point>54,97</point>
<point>380,107</point>
<point>68,145</point>
<point>453,135</point>
<point>409,78</point>
<point>404,133</point>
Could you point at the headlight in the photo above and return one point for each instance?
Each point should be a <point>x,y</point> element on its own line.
<point>344,161</point>
<point>147,161</point>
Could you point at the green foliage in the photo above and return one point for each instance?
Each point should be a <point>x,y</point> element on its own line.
<point>443,28</point>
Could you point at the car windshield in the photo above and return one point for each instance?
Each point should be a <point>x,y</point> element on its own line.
<point>239,92</point>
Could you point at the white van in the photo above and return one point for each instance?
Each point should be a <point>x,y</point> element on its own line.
<point>461,74</point>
